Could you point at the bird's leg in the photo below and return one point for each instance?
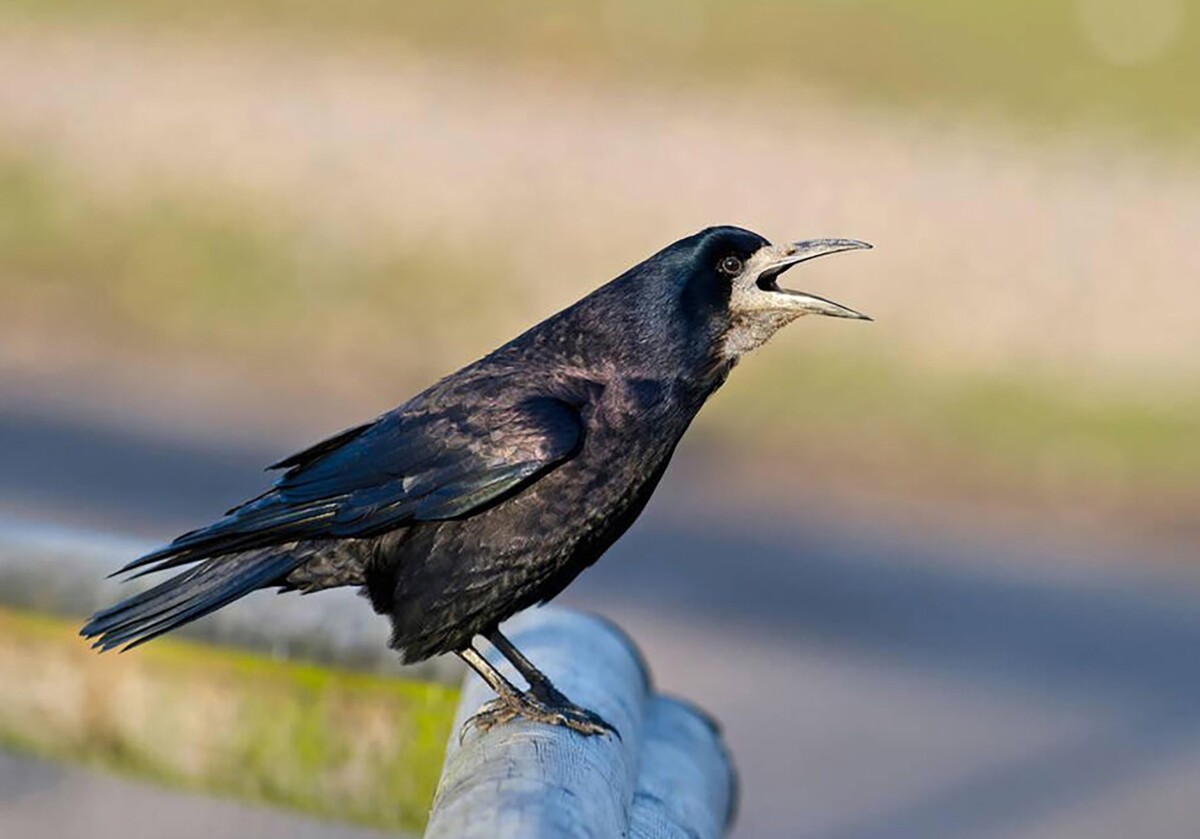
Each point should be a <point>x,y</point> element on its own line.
<point>539,683</point>
<point>542,689</point>
<point>511,703</point>
<point>507,703</point>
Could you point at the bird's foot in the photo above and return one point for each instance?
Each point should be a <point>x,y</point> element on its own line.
<point>542,706</point>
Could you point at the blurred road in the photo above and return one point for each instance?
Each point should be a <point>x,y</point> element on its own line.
<point>875,683</point>
<point>44,800</point>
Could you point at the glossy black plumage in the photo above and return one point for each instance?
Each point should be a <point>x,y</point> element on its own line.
<point>491,490</point>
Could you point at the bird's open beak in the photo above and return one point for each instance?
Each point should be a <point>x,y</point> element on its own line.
<point>783,257</point>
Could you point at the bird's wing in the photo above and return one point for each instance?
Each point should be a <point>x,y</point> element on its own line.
<point>437,465</point>
<point>416,464</point>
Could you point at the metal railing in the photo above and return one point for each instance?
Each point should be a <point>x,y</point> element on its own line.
<point>667,775</point>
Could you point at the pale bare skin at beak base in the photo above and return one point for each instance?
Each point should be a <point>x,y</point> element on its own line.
<point>792,254</point>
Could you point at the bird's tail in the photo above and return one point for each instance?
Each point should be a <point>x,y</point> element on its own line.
<point>202,589</point>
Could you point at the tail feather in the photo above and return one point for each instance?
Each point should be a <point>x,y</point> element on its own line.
<point>263,522</point>
<point>185,597</point>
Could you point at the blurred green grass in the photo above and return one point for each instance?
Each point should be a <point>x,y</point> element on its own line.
<point>1022,435</point>
<point>1130,65</point>
<point>266,296</point>
<point>192,274</point>
<point>326,741</point>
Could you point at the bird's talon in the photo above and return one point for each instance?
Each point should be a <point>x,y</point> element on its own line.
<point>534,708</point>
<point>494,713</point>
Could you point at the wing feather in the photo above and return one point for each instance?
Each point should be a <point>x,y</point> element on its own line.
<point>416,464</point>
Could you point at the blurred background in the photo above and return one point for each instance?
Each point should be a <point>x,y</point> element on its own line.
<point>936,575</point>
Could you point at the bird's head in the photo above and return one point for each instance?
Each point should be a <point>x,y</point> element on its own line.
<point>730,277</point>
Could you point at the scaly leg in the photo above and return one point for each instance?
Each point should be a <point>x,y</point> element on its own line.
<point>539,683</point>
<point>541,703</point>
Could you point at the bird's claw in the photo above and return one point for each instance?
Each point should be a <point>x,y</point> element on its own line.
<point>536,708</point>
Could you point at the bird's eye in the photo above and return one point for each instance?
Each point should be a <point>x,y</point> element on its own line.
<point>731,265</point>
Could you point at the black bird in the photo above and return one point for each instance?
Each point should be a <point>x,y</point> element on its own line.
<point>490,491</point>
